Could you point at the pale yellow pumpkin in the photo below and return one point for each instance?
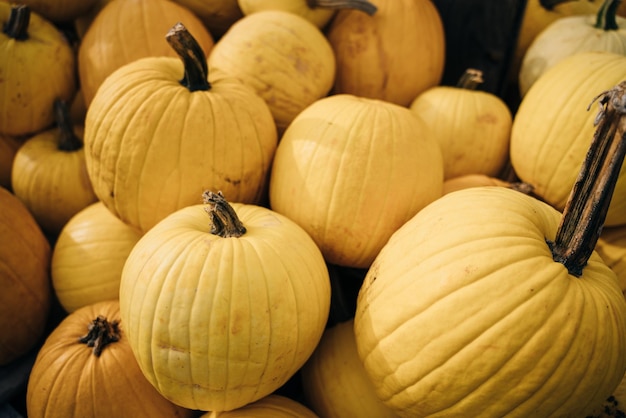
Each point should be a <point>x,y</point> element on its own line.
<point>88,257</point>
<point>351,170</point>
<point>271,406</point>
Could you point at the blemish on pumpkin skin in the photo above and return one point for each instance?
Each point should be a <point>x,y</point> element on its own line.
<point>487,119</point>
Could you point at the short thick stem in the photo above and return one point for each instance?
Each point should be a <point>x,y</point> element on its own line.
<point>225,222</point>
<point>196,75</point>
<point>585,211</point>
<point>362,5</point>
<point>101,333</point>
<point>68,140</point>
<point>470,79</point>
<point>606,18</point>
<point>16,26</point>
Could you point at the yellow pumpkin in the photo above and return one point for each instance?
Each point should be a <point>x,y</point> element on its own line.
<point>37,65</point>
<point>49,173</point>
<point>222,309</point>
<point>88,257</point>
<point>472,127</point>
<point>153,143</point>
<point>217,15</point>
<point>283,57</point>
<point>393,55</point>
<point>271,406</point>
<point>58,11</point>
<point>351,170</point>
<point>126,30</point>
<point>26,296</point>
<point>570,35</point>
<point>550,138</point>
<point>334,381</point>
<point>612,248</point>
<point>86,368</point>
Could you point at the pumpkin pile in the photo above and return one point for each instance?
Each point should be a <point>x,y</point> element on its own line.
<point>278,208</point>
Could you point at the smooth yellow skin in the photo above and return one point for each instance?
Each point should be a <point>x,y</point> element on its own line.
<point>216,323</point>
<point>283,57</point>
<point>52,183</point>
<point>566,37</point>
<point>35,72</point>
<point>89,255</point>
<point>552,128</point>
<point>272,406</point>
<point>334,380</point>
<point>318,16</point>
<point>351,170</point>
<point>465,313</point>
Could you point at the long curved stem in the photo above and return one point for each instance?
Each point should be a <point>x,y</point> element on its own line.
<point>193,57</point>
<point>606,18</point>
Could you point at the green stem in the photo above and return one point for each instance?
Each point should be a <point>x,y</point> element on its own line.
<point>225,222</point>
<point>194,60</point>
<point>362,5</point>
<point>16,27</point>
<point>100,334</point>
<point>588,203</point>
<point>68,140</point>
<point>470,79</point>
<point>606,17</point>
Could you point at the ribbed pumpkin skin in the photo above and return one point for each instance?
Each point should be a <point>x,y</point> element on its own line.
<point>272,406</point>
<point>26,296</point>
<point>465,313</point>
<point>126,30</point>
<point>351,170</point>
<point>552,128</point>
<point>89,255</point>
<point>153,147</point>
<point>393,55</point>
<point>216,323</point>
<point>69,381</point>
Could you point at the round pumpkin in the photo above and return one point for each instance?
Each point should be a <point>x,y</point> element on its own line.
<point>393,55</point>
<point>465,312</point>
<point>89,255</point>
<point>126,30</point>
<point>223,308</point>
<point>283,57</point>
<point>334,380</point>
<point>351,170</point>
<point>37,64</point>
<point>271,406</point>
<point>154,143</point>
<point>26,296</point>
<point>472,127</point>
<point>554,125</point>
<point>86,368</point>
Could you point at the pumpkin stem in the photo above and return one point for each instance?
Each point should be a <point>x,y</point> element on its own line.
<point>193,57</point>
<point>362,5</point>
<point>16,27</point>
<point>606,19</point>
<point>588,203</point>
<point>225,221</point>
<point>68,140</point>
<point>470,79</point>
<point>100,334</point>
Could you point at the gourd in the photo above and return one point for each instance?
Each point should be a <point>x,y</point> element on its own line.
<point>49,173</point>
<point>140,26</point>
<point>26,296</point>
<point>334,381</point>
<point>351,170</point>
<point>85,368</point>
<point>472,127</point>
<point>38,67</point>
<point>570,35</point>
<point>393,55</point>
<point>283,57</point>
<point>222,309</point>
<point>88,257</point>
<point>271,406</point>
<point>489,302</point>
<point>161,129</point>
<point>549,138</point>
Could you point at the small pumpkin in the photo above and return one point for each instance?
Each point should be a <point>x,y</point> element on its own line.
<point>88,257</point>
<point>49,173</point>
<point>26,295</point>
<point>472,127</point>
<point>86,368</point>
<point>222,309</point>
<point>283,57</point>
<point>271,406</point>
<point>37,64</point>
<point>351,170</point>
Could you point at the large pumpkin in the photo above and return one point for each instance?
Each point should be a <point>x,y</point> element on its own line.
<point>351,170</point>
<point>222,309</point>
<point>158,133</point>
